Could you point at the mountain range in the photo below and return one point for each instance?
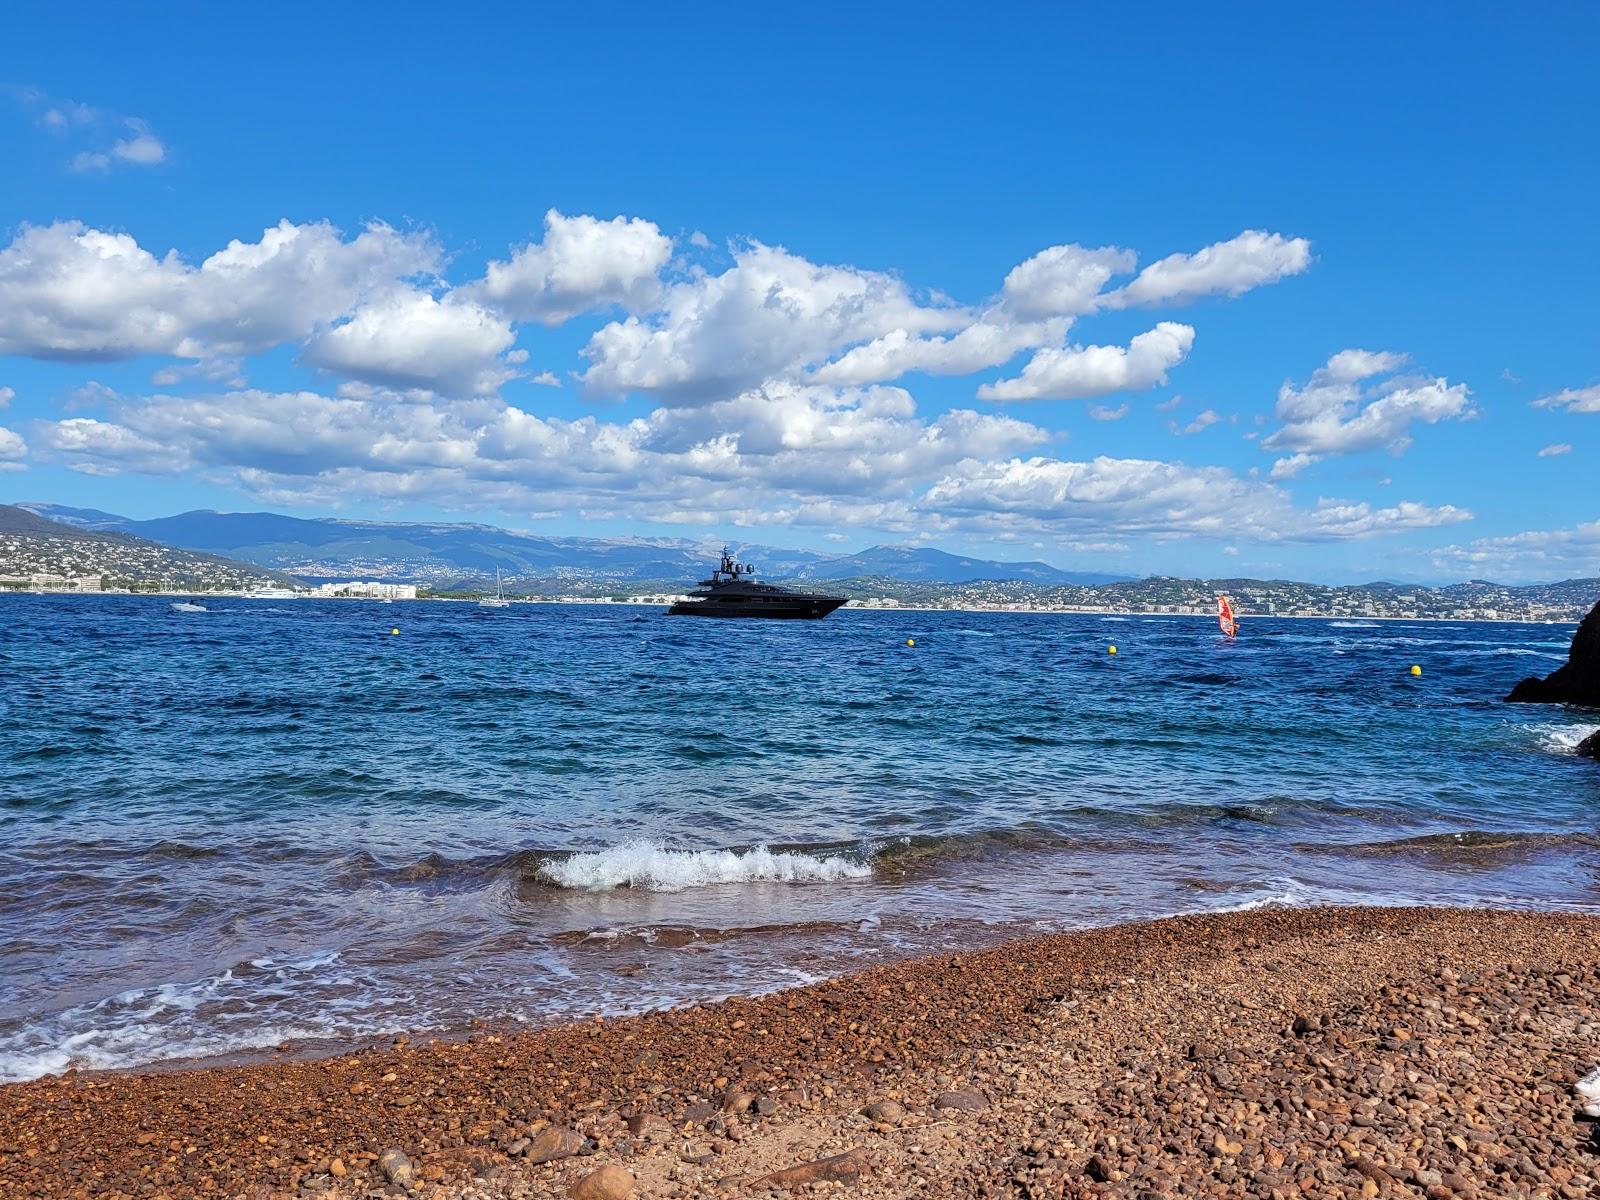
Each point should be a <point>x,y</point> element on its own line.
<point>248,551</point>
<point>445,554</point>
<point>32,545</point>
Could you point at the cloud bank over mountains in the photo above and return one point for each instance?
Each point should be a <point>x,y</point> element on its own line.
<point>760,387</point>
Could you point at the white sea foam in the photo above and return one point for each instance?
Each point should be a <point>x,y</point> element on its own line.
<point>1281,892</point>
<point>228,1013</point>
<point>1512,651</point>
<point>1563,739</point>
<point>1352,625</point>
<point>651,867</point>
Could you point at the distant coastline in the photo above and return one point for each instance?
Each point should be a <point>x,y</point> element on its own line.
<point>270,555</point>
<point>663,602</point>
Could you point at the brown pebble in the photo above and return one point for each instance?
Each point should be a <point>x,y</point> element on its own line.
<point>648,1125</point>
<point>837,1168</point>
<point>962,1101</point>
<point>610,1182</point>
<point>885,1112</point>
<point>396,1167</point>
<point>551,1143</point>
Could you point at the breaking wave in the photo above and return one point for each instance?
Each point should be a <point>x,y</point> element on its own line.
<point>651,867</point>
<point>1283,892</point>
<point>1563,739</point>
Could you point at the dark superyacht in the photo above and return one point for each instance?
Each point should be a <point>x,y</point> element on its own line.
<point>730,592</point>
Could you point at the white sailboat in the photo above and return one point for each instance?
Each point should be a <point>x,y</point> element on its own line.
<point>498,600</point>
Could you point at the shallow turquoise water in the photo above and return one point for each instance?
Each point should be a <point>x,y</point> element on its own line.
<point>276,820</point>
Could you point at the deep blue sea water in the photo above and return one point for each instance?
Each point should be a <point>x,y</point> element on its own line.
<point>280,821</point>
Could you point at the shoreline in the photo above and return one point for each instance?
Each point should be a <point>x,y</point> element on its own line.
<point>1145,1058</point>
<point>897,608</point>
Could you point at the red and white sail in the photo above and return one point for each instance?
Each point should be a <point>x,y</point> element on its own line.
<point>1225,617</point>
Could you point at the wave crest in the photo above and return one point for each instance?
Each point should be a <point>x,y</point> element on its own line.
<point>651,867</point>
<point>1563,739</point>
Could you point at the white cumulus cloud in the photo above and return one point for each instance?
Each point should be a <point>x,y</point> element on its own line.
<point>139,148</point>
<point>1340,411</point>
<point>1578,400</point>
<point>772,315</point>
<point>583,263</point>
<point>12,450</point>
<point>409,339</point>
<point>1291,465</point>
<point>1203,420</point>
<point>1556,449</point>
<point>989,341</point>
<point>68,291</point>
<point>1063,281</point>
<point>1084,372</point>
<point>1230,268</point>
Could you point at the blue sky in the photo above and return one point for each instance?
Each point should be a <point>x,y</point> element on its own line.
<point>1232,292</point>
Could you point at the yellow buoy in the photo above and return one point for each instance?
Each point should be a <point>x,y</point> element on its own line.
<point>1111,650</point>
<point>1416,670</point>
<point>392,632</point>
<point>911,641</point>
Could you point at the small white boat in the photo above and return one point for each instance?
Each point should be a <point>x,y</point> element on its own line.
<point>189,606</point>
<point>498,600</point>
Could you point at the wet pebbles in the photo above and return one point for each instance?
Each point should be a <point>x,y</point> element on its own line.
<point>1324,1053</point>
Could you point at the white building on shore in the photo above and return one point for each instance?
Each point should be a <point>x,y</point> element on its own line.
<point>53,583</point>
<point>357,589</point>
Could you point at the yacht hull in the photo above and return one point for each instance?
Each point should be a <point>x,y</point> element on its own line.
<point>789,608</point>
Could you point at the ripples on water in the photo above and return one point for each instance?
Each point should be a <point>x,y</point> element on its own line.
<point>278,821</point>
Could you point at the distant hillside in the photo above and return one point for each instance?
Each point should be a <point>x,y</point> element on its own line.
<point>446,554</point>
<point>1567,591</point>
<point>80,518</point>
<point>915,564</point>
<point>31,545</point>
<point>441,554</point>
<point>1565,601</point>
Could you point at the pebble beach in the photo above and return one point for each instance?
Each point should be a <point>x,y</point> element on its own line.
<point>1334,1052</point>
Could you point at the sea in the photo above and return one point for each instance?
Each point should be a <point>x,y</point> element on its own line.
<point>315,824</point>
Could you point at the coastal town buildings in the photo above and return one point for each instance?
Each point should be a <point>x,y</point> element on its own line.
<point>356,589</point>
<point>46,582</point>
